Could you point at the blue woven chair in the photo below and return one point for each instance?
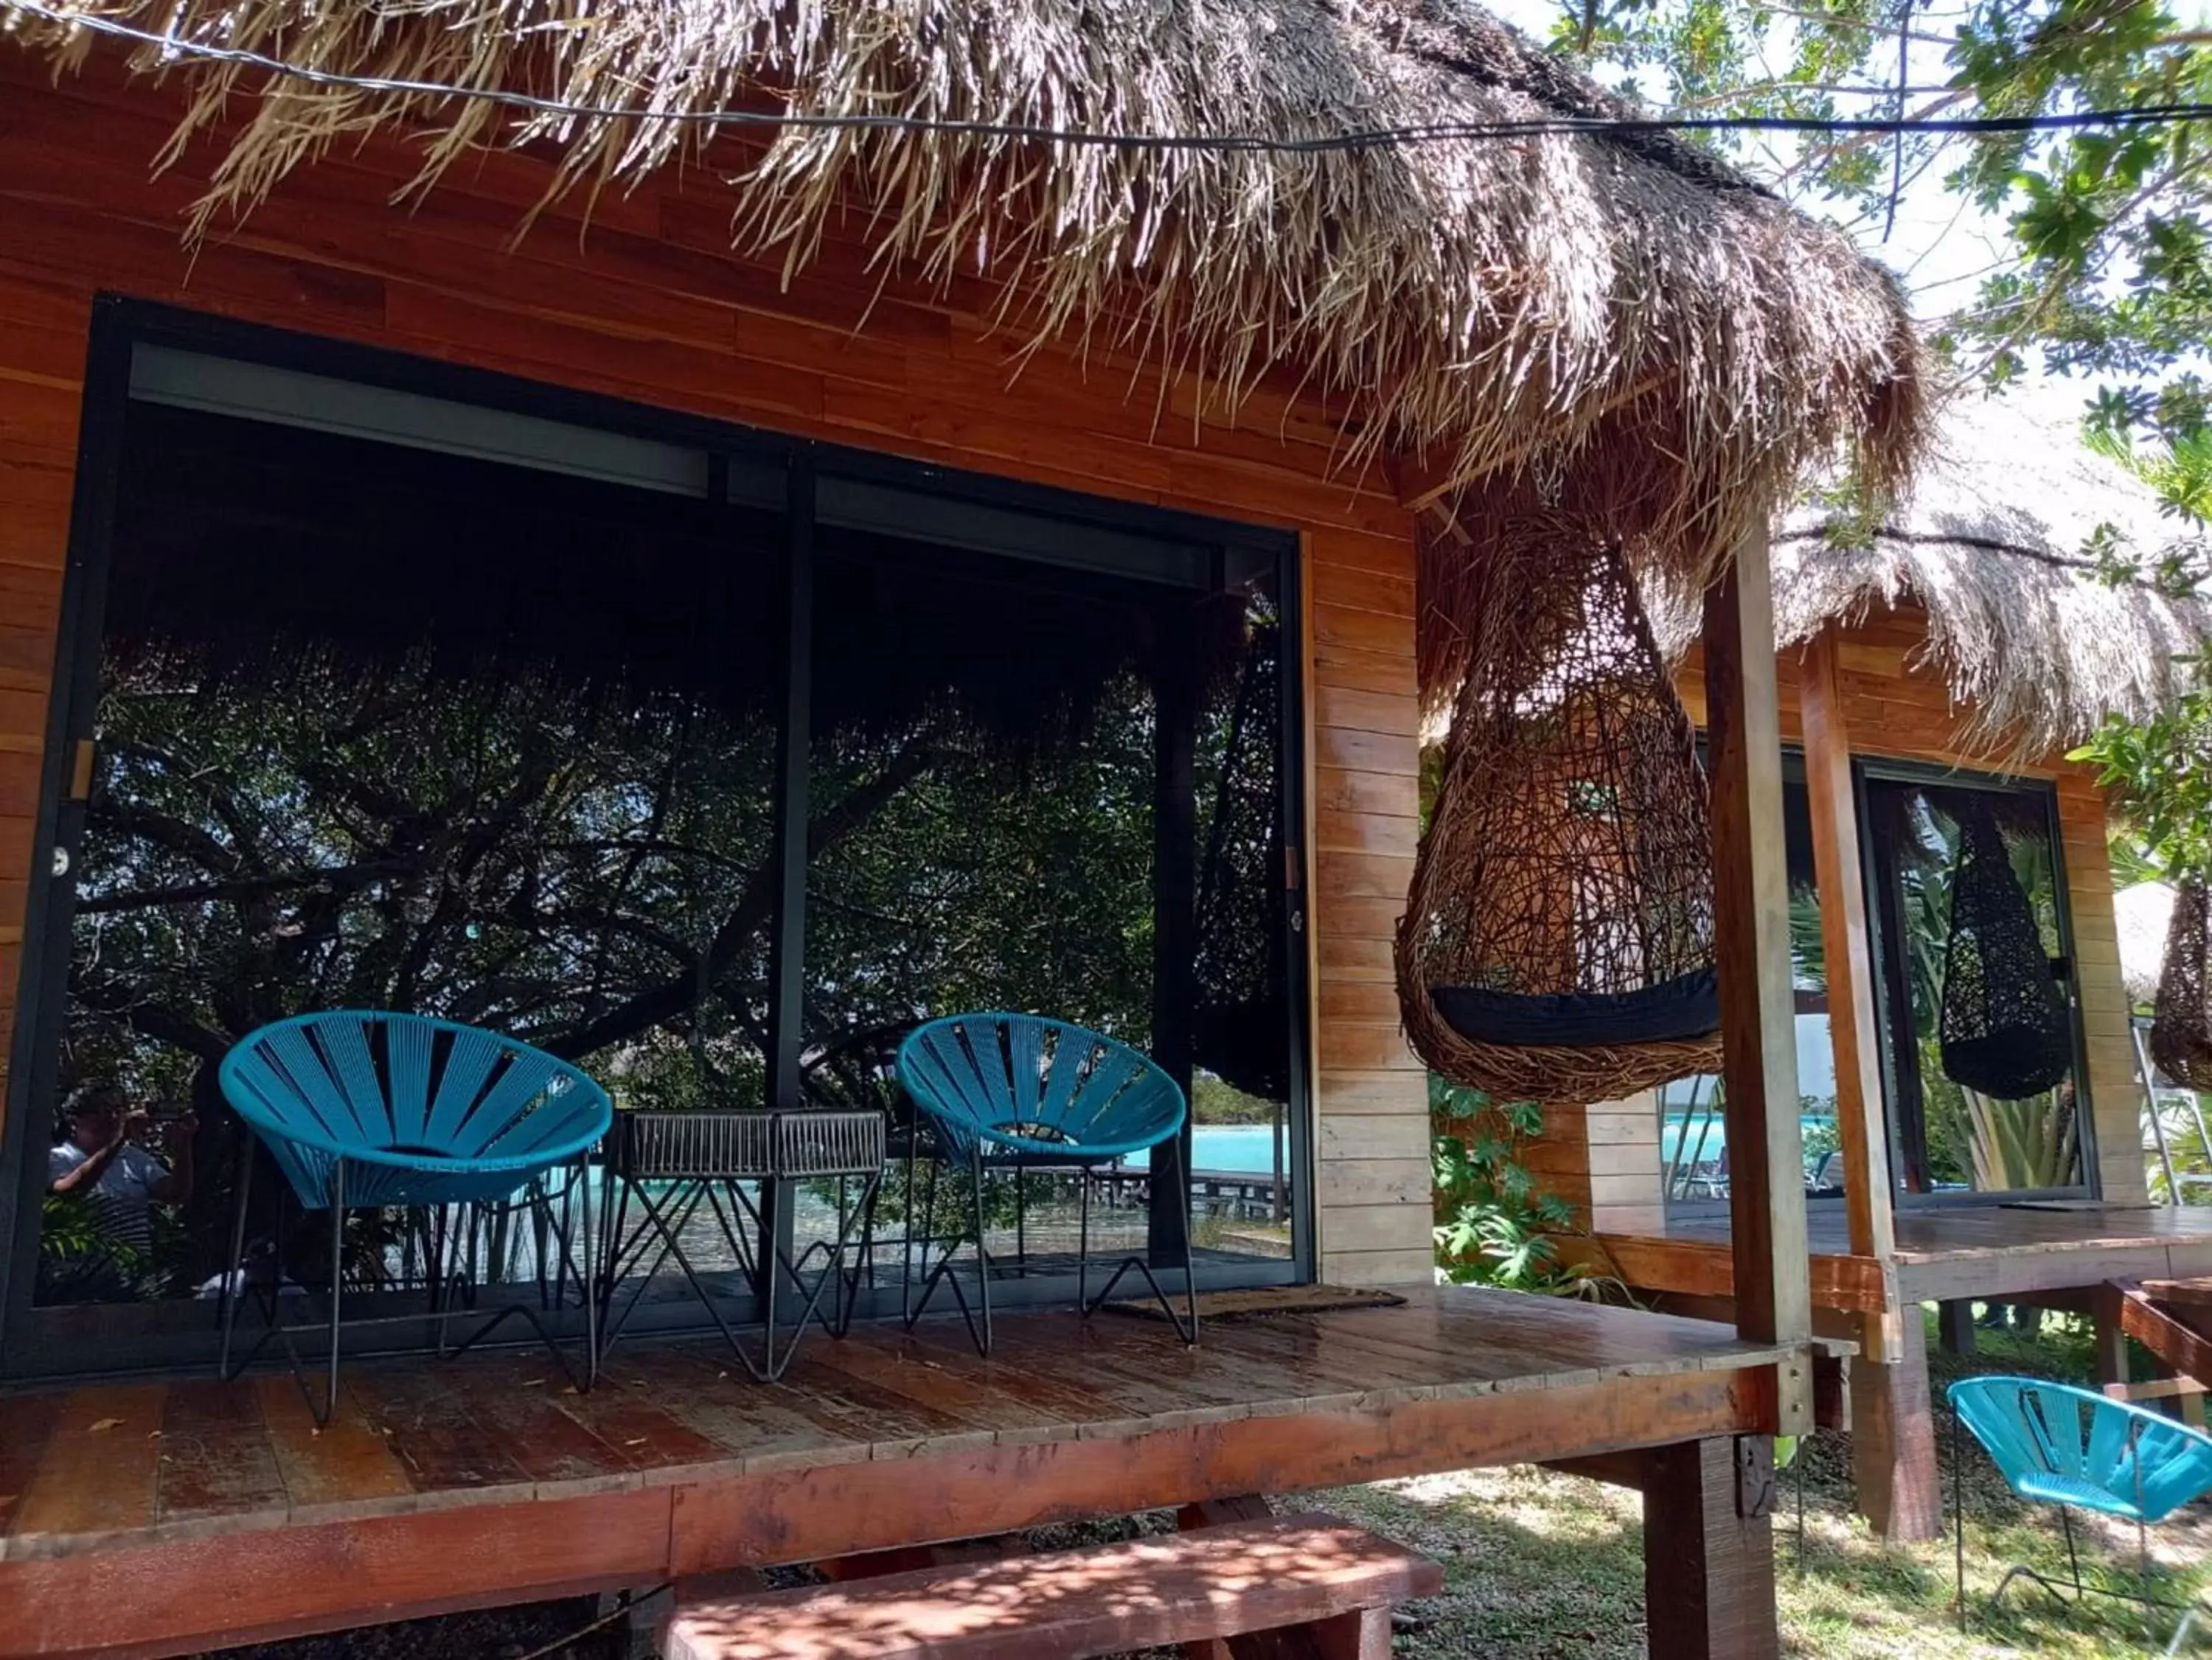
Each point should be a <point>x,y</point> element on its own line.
<point>2056,1444</point>
<point>1021,1092</point>
<point>364,1109</point>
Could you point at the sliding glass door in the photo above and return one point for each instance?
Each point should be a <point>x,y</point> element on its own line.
<point>1974,973</point>
<point>712,761</point>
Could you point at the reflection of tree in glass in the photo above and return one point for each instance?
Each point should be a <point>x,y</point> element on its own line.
<point>1974,1140</point>
<point>590,872</point>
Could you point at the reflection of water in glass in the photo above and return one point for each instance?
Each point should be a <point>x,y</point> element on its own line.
<point>1244,1148</point>
<point>1672,1131</point>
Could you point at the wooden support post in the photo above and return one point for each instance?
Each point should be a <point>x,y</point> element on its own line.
<point>1893,1449</point>
<point>1838,871</point>
<point>1708,1566</point>
<point>1894,1437</point>
<point>1954,1325</point>
<point>1751,918</point>
<point>2108,1308</point>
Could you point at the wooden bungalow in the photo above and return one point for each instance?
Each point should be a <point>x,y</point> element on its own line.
<point>1937,663</point>
<point>419,421</point>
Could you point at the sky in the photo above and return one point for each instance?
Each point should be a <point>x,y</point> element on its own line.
<point>1941,247</point>
<point>1940,251</point>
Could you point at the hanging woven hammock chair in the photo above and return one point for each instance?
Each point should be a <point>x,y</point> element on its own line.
<point>2181,1026</point>
<point>1557,939</point>
<point>2002,1026</point>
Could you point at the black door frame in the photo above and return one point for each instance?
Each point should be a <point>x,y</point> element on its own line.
<point>1899,1065</point>
<point>119,325</point>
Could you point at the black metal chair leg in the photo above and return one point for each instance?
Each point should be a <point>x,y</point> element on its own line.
<point>583,1268</point>
<point>1797,1469</point>
<point>234,1284</point>
<point>1959,1517</point>
<point>1186,1325</point>
<point>1083,1244</point>
<point>338,1290</point>
<point>983,1254</point>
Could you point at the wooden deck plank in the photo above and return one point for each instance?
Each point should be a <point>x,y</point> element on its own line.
<point>96,1474</point>
<point>445,1452</point>
<point>1002,1399</point>
<point>29,1419</point>
<point>216,1458</point>
<point>850,1455</point>
<point>708,1396</point>
<point>512,1399</point>
<point>505,1427</point>
<point>1112,1381</point>
<point>632,1410</point>
<point>341,1468</point>
<point>805,1515</point>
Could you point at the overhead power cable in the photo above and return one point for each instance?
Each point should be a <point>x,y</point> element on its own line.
<point>177,47</point>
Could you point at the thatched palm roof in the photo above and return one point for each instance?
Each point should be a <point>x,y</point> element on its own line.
<point>1995,545</point>
<point>1612,321</point>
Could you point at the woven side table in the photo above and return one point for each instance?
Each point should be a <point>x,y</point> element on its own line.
<point>666,1166</point>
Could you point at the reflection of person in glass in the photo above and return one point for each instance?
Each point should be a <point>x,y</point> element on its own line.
<point>101,1157</point>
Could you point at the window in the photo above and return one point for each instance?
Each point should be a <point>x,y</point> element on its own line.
<point>1693,1135</point>
<point>404,700</point>
<point>1948,1137</point>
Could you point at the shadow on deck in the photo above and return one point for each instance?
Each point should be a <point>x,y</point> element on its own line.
<point>153,1518</point>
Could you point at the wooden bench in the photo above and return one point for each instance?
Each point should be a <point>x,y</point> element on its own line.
<point>1336,1581</point>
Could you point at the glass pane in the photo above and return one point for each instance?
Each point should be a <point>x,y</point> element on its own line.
<point>1957,1133</point>
<point>1006,750</point>
<point>1693,1137</point>
<point>1240,1157</point>
<point>384,726</point>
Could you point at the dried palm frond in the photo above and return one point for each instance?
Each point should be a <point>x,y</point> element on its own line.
<point>1998,546</point>
<point>1614,321</point>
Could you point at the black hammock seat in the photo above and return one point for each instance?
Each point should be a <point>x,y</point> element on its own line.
<point>2003,1027</point>
<point>1557,939</point>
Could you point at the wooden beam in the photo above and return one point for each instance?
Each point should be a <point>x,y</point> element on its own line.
<point>1954,1325</point>
<point>1750,916</point>
<point>1708,1565</point>
<point>1702,1267</point>
<point>1893,1438</point>
<point>1632,1471</point>
<point>288,1580</point>
<point>772,1516</point>
<point>1846,949</point>
<point>2129,1313</point>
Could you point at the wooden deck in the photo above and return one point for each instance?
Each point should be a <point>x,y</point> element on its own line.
<point>2019,1250</point>
<point>155,1517</point>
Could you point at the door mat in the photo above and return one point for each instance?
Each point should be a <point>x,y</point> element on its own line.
<point>1264,1300</point>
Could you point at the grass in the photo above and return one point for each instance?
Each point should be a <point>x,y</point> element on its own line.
<point>1540,1564</point>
